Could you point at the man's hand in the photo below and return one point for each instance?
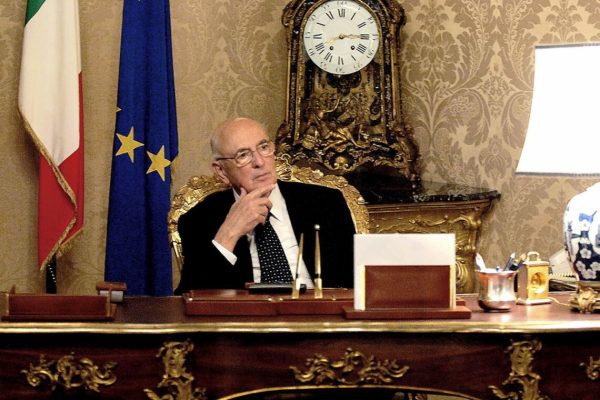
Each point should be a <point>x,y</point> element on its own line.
<point>248,211</point>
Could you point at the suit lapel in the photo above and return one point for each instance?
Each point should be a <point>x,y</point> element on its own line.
<point>299,217</point>
<point>293,204</point>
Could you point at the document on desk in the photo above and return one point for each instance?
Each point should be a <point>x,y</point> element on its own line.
<point>412,251</point>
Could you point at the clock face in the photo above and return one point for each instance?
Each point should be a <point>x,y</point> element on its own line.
<point>341,37</point>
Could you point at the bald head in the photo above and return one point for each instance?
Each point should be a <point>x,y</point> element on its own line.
<point>231,127</point>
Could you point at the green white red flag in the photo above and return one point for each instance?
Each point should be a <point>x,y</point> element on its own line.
<point>50,103</point>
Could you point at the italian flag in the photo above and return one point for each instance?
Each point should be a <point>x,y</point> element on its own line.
<point>50,103</point>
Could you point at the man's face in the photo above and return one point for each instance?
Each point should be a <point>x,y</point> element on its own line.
<point>244,134</point>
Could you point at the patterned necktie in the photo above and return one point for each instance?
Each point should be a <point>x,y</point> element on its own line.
<point>274,267</point>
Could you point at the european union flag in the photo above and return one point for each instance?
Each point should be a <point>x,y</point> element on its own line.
<point>145,144</point>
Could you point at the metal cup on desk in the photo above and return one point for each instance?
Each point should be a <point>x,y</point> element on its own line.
<point>496,290</point>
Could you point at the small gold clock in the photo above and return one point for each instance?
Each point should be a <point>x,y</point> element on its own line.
<point>533,281</point>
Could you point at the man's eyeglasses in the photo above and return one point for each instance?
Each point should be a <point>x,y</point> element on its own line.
<point>245,156</point>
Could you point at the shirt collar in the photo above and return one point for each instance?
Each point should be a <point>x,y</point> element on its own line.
<point>278,208</point>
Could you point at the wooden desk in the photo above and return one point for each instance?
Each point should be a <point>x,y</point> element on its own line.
<point>543,349</point>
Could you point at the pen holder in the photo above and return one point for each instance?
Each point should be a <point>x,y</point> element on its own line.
<point>496,290</point>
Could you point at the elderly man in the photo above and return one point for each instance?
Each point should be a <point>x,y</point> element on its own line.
<point>225,236</point>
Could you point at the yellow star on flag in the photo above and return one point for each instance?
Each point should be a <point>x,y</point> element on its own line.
<point>128,144</point>
<point>159,163</point>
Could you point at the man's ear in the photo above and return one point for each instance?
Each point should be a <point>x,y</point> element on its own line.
<point>220,172</point>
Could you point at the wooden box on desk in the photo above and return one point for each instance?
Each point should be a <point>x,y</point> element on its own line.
<point>405,276</point>
<point>240,302</point>
<point>409,292</point>
<point>54,307</point>
<point>418,286</point>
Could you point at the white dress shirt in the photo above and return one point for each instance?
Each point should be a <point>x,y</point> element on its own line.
<point>280,220</point>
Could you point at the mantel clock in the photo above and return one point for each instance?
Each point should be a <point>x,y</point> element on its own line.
<point>343,111</point>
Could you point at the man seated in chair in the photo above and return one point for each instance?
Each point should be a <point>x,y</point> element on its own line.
<point>223,237</point>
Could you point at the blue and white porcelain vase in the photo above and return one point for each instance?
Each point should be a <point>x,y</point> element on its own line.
<point>582,235</point>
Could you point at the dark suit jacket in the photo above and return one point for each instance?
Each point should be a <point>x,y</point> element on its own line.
<point>205,267</point>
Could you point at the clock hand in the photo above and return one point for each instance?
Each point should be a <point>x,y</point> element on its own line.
<point>337,37</point>
<point>342,36</point>
<point>346,36</point>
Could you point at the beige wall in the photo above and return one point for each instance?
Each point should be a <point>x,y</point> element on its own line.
<point>467,77</point>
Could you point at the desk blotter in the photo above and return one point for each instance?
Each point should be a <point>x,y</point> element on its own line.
<point>241,302</point>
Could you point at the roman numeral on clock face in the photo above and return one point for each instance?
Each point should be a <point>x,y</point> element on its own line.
<point>361,48</point>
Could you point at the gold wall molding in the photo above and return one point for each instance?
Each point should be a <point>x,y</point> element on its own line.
<point>592,369</point>
<point>354,368</point>
<point>176,381</point>
<point>69,373</point>
<point>522,382</point>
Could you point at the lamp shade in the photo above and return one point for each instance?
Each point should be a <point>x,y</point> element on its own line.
<point>563,136</point>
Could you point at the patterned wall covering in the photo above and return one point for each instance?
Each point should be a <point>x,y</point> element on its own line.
<point>467,72</point>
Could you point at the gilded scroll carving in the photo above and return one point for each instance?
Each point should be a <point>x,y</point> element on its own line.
<point>354,368</point>
<point>69,373</point>
<point>522,382</point>
<point>592,368</point>
<point>176,381</point>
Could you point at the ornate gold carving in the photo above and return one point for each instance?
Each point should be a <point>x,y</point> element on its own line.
<point>353,369</point>
<point>523,382</point>
<point>176,380</point>
<point>199,187</point>
<point>586,299</point>
<point>592,369</point>
<point>69,373</point>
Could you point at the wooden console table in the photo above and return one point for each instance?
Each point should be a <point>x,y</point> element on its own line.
<point>152,349</point>
<point>439,208</point>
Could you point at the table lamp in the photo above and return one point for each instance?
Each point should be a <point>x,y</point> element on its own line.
<point>563,139</point>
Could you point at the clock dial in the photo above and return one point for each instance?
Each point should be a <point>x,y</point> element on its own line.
<point>341,37</point>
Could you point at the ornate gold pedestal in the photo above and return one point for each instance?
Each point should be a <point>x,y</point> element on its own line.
<point>460,215</point>
<point>586,299</point>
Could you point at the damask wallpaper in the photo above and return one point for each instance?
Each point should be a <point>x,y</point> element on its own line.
<point>466,70</point>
